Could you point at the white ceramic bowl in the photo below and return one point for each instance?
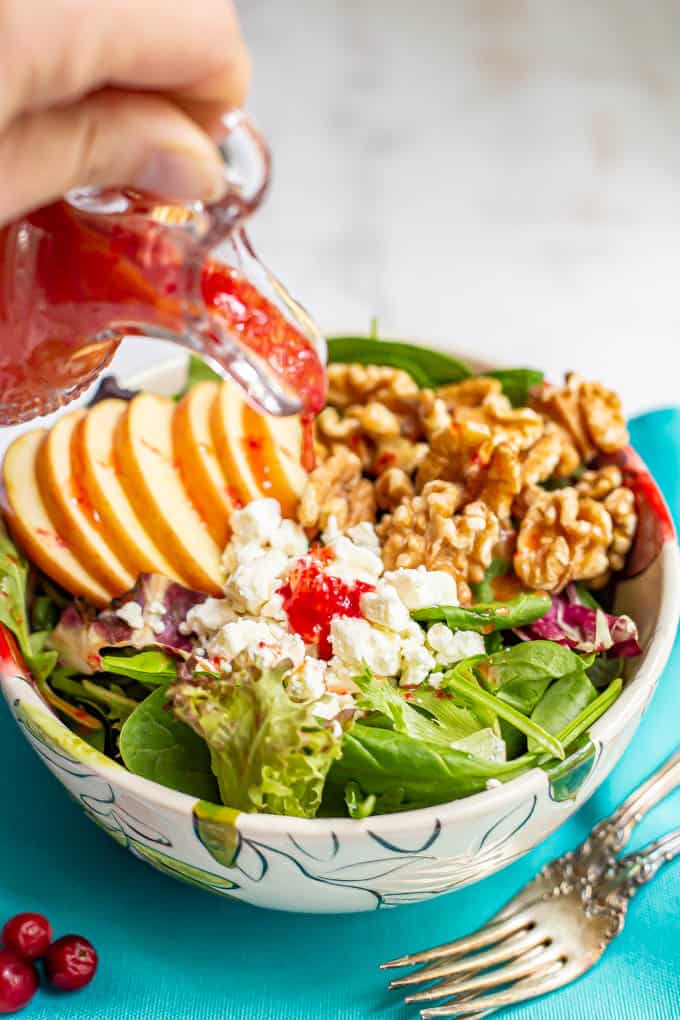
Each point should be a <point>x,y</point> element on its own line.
<point>338,865</point>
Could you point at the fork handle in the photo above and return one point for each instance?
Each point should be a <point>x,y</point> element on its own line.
<point>613,833</point>
<point>636,869</point>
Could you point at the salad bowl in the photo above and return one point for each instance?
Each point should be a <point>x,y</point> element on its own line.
<point>334,865</point>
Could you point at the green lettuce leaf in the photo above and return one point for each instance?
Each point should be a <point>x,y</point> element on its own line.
<point>268,752</point>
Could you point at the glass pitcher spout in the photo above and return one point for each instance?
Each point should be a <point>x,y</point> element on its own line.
<point>79,275</point>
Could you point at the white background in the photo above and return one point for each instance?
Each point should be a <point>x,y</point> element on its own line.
<point>502,176</point>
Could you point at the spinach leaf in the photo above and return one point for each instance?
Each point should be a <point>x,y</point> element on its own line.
<point>517,382</point>
<point>151,667</point>
<point>382,761</point>
<point>426,367</point>
<point>486,617</point>
<point>520,675</point>
<point>585,719</point>
<point>603,670</point>
<point>562,703</point>
<point>483,591</point>
<point>461,680</point>
<point>158,746</point>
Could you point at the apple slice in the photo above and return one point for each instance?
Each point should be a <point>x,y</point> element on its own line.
<point>274,452</point>
<point>154,486</point>
<point>231,443</point>
<point>95,467</point>
<point>33,528</point>
<point>202,474</point>
<point>71,509</point>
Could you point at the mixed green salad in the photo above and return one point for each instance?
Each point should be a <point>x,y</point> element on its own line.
<point>146,691</point>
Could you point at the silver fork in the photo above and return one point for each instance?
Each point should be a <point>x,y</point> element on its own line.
<point>557,927</point>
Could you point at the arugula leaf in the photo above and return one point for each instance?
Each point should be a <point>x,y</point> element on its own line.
<point>426,367</point>
<point>562,703</point>
<point>486,617</point>
<point>152,667</point>
<point>44,613</point>
<point>269,753</point>
<point>461,680</point>
<point>585,596</point>
<point>385,762</point>
<point>520,675</point>
<point>517,382</point>
<point>158,746</point>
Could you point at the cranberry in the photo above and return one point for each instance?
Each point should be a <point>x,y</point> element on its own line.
<point>18,981</point>
<point>29,935</point>
<point>70,962</point>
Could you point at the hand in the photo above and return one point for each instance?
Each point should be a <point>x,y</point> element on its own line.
<point>114,92</point>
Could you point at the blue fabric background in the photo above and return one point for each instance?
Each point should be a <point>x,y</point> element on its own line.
<point>171,952</point>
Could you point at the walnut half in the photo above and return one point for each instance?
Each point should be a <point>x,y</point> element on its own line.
<point>336,488</point>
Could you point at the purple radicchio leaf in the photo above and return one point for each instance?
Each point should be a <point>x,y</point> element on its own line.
<point>81,633</point>
<point>584,629</point>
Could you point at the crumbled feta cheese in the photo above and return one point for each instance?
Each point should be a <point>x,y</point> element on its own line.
<point>256,522</point>
<point>307,681</point>
<point>340,677</point>
<point>273,609</point>
<point>384,607</point>
<point>289,538</point>
<point>353,562</point>
<point>331,705</point>
<point>252,584</point>
<point>435,680</point>
<point>235,637</point>
<point>331,531</point>
<point>283,646</point>
<point>207,617</point>
<point>356,642</point>
<point>155,616</point>
<point>416,663</point>
<point>364,535</point>
<point>420,588</point>
<point>131,613</point>
<point>451,646</point>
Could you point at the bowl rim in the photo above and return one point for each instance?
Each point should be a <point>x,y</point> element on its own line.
<point>16,686</point>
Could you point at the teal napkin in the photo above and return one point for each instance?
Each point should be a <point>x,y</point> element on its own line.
<point>171,952</point>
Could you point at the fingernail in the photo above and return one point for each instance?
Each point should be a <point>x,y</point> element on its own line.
<point>181,175</point>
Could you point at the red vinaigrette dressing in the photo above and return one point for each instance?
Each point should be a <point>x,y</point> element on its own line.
<point>72,285</point>
<point>311,598</point>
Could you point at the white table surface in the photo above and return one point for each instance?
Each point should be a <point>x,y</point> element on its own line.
<point>499,175</point>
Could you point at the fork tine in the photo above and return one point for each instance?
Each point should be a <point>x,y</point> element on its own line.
<point>537,984</point>
<point>535,959</point>
<point>487,935</point>
<point>509,949</point>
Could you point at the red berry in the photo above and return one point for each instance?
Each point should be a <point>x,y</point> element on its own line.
<point>29,935</point>
<point>70,962</point>
<point>18,981</point>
